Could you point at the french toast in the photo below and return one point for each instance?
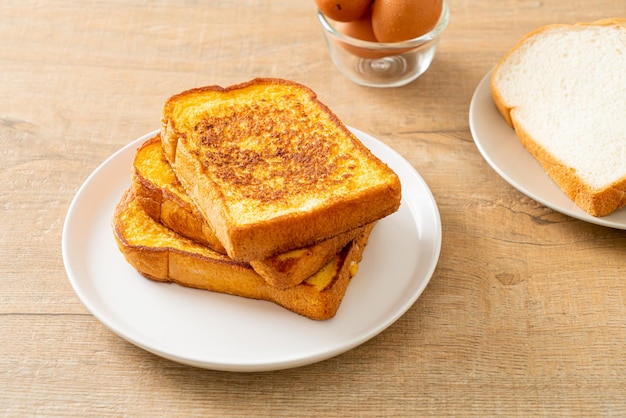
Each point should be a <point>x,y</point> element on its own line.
<point>272,168</point>
<point>159,193</point>
<point>161,254</point>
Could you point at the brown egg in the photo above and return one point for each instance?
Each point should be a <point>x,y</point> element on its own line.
<point>401,20</point>
<point>359,29</point>
<point>344,10</point>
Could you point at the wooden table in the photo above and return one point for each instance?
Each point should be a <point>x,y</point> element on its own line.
<point>524,315</point>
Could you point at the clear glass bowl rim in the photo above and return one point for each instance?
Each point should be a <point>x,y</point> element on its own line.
<point>442,23</point>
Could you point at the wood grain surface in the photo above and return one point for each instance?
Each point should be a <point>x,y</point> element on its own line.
<point>525,314</point>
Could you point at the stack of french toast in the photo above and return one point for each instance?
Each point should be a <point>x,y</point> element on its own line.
<point>256,190</point>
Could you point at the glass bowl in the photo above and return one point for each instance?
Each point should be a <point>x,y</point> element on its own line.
<point>377,64</point>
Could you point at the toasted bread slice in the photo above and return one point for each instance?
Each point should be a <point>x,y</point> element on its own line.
<point>159,193</point>
<point>272,168</point>
<point>160,254</point>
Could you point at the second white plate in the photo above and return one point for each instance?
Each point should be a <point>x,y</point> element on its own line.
<point>503,151</point>
<point>223,332</point>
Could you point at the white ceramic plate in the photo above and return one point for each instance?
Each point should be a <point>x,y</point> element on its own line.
<point>222,332</point>
<point>501,148</point>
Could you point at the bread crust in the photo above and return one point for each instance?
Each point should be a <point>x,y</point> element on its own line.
<point>169,257</point>
<point>289,269</point>
<point>596,202</point>
<point>284,230</point>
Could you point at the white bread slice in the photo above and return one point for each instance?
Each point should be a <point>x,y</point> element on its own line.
<point>563,89</point>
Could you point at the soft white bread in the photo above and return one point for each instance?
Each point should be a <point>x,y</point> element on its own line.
<point>272,168</point>
<point>563,89</point>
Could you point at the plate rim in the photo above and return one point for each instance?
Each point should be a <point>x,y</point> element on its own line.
<point>294,361</point>
<point>481,91</point>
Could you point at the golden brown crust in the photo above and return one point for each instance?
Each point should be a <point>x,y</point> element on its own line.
<point>291,268</point>
<point>160,194</point>
<point>593,201</point>
<point>157,191</point>
<point>596,202</point>
<point>272,168</point>
<point>160,254</point>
